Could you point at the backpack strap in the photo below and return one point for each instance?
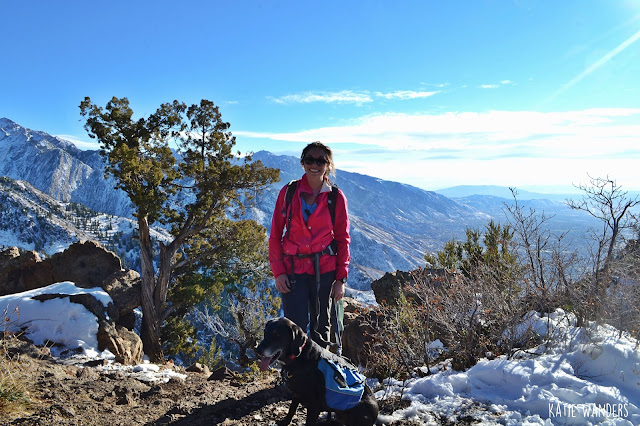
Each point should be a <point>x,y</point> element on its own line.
<point>291,189</point>
<point>333,196</point>
<point>286,210</point>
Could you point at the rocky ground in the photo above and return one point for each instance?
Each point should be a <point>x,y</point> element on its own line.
<point>62,394</point>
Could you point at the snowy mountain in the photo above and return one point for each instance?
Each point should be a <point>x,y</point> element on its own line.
<point>35,221</point>
<point>393,224</point>
<point>59,169</point>
<point>32,220</point>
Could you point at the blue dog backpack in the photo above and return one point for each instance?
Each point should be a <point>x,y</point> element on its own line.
<point>345,386</point>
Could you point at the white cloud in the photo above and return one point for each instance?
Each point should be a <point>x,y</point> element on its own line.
<point>341,97</point>
<point>81,143</point>
<point>497,85</point>
<point>579,132</point>
<point>405,94</point>
<point>472,148</point>
<point>350,96</point>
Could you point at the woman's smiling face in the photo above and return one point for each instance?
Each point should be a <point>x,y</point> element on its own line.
<point>315,170</point>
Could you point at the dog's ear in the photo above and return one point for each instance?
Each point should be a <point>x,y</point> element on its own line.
<point>299,340</point>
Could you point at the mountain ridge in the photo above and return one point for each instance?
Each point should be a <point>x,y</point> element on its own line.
<point>58,168</point>
<point>460,191</point>
<point>392,224</point>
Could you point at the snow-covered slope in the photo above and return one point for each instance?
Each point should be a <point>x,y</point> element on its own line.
<point>393,224</point>
<point>32,220</point>
<point>59,169</point>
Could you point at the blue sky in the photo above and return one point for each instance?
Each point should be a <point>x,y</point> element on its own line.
<point>526,93</point>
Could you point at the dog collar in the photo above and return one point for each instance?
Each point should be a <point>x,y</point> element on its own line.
<point>292,356</point>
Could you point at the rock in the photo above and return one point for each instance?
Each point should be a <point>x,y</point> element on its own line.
<point>95,363</point>
<point>221,373</point>
<point>87,264</point>
<point>199,368</point>
<point>16,269</point>
<point>87,374</point>
<point>65,410</point>
<point>357,331</point>
<point>388,288</point>
<point>125,395</point>
<point>9,270</point>
<point>8,257</point>
<point>124,289</point>
<point>392,285</point>
<point>87,300</point>
<point>123,343</point>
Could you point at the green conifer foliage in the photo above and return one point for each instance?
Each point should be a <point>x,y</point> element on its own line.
<point>195,190</point>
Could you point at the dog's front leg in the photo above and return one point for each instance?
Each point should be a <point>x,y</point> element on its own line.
<point>312,416</point>
<point>292,411</point>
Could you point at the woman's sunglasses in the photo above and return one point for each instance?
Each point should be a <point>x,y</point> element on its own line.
<point>308,160</point>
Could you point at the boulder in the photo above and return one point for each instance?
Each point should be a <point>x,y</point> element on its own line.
<point>9,257</point>
<point>124,288</point>
<point>221,373</point>
<point>358,330</point>
<point>87,264</point>
<point>124,344</point>
<point>9,271</point>
<point>199,368</point>
<point>391,286</point>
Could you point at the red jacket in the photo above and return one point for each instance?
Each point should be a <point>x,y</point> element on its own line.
<point>312,237</point>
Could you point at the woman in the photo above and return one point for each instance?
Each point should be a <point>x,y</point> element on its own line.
<point>303,239</point>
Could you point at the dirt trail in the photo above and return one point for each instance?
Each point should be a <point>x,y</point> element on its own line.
<point>70,395</point>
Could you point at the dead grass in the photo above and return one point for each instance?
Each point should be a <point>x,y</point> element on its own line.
<point>14,394</point>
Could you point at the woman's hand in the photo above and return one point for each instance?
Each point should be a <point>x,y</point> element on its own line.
<point>282,283</point>
<point>337,289</point>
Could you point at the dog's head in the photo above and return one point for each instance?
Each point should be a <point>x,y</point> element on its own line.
<point>283,340</point>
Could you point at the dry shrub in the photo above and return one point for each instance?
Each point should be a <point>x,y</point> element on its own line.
<point>13,388</point>
<point>473,316</point>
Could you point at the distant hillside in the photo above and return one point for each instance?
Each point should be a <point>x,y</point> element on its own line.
<point>561,217</point>
<point>32,220</point>
<point>499,191</point>
<point>393,224</point>
<point>59,169</point>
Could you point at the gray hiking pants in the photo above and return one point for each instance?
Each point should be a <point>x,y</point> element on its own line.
<point>310,309</point>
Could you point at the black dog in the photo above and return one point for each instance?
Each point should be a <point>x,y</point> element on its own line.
<point>284,341</point>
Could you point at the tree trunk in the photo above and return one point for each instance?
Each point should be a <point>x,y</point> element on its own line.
<point>167,254</point>
<point>150,333</point>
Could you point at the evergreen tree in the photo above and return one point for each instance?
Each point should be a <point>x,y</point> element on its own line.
<point>470,256</point>
<point>193,192</point>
